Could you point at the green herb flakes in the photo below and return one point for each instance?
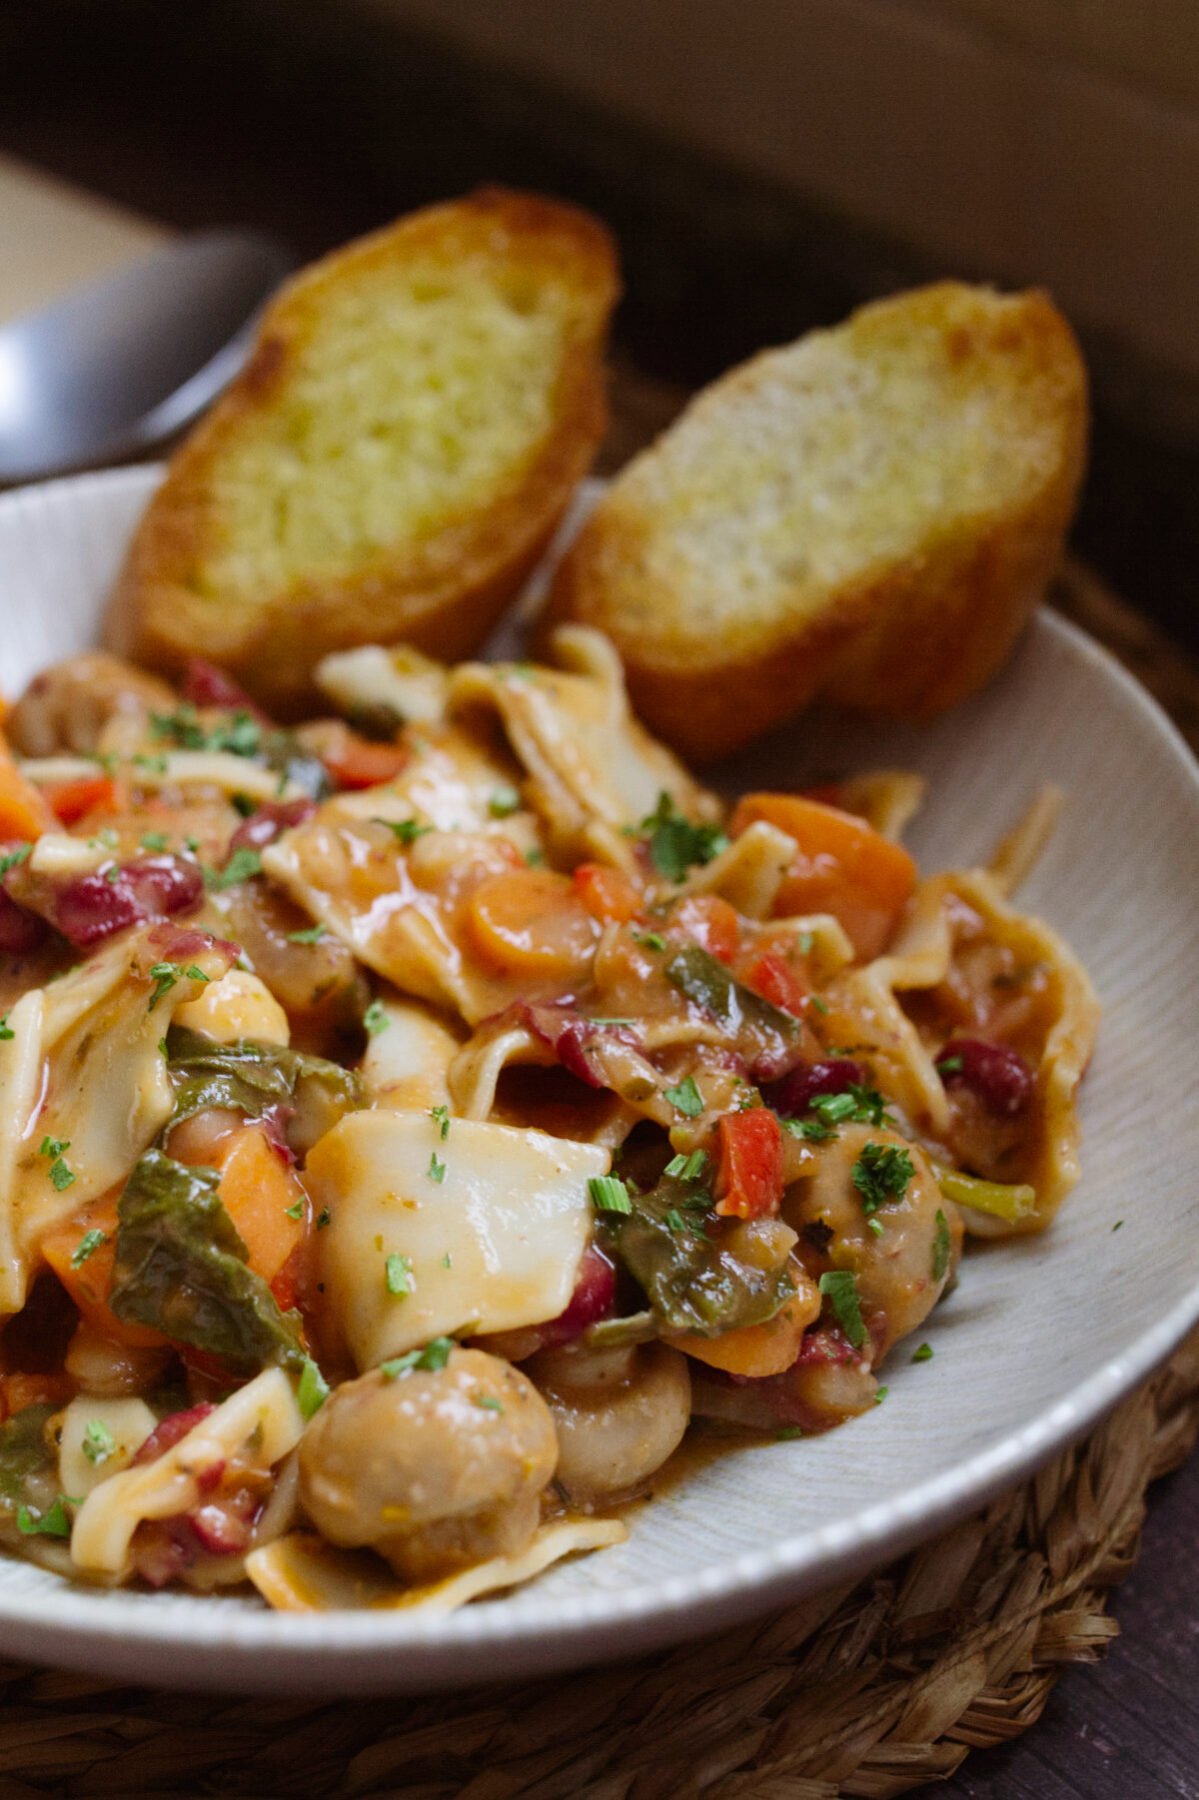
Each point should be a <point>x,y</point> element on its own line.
<point>295,1210</point>
<point>6,1031</point>
<point>675,843</point>
<point>924,1354</point>
<point>153,840</point>
<point>436,1169</point>
<point>398,1274</point>
<point>98,1442</point>
<point>87,1246</point>
<point>441,1118</point>
<point>685,1098</point>
<point>322,1218</point>
<point>375,1019</point>
<point>12,859</point>
<point>503,802</point>
<point>488,1403</point>
<point>435,1355</point>
<point>786,1434</point>
<point>312,934</point>
<point>51,1523</point>
<point>243,865</point>
<point>942,1245</point>
<point>313,1389</point>
<point>882,1173</point>
<point>406,831</point>
<point>840,1289</point>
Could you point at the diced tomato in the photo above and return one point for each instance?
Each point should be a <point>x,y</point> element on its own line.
<point>71,801</point>
<point>608,894</point>
<point>750,1179</point>
<point>778,981</point>
<point>357,762</point>
<point>712,922</point>
<point>842,866</point>
<point>286,1285</point>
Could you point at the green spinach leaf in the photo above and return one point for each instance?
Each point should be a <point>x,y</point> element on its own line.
<point>181,1268</point>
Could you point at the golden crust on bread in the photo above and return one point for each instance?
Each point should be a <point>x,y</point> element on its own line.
<point>395,456</point>
<point>870,515</point>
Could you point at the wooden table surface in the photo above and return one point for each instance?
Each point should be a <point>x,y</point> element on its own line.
<point>1127,1729</point>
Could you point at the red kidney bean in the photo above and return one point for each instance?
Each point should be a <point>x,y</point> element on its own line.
<point>168,1432</point>
<point>220,1531</point>
<point>594,1298</point>
<point>271,819</point>
<point>92,907</point>
<point>571,1036</point>
<point>995,1074</point>
<point>204,684</point>
<point>794,1094</point>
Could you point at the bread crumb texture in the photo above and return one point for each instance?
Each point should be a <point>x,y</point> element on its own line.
<point>403,441</point>
<point>808,494</point>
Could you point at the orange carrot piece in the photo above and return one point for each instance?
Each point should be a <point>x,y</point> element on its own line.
<point>608,894</point>
<point>756,1350</point>
<point>85,1265</point>
<point>532,922</point>
<point>712,922</point>
<point>842,867</point>
<point>71,801</point>
<point>24,813</point>
<point>358,762</point>
<point>261,1193</point>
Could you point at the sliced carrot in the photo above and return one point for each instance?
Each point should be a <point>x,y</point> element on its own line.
<point>532,922</point>
<point>750,1164</point>
<point>71,801</point>
<point>842,867</point>
<point>757,1350</point>
<point>358,762</point>
<point>608,894</point>
<point>84,1265</point>
<point>24,813</point>
<point>712,922</point>
<point>777,980</point>
<point>261,1193</point>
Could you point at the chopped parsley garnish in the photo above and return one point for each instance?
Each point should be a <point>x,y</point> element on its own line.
<point>609,1194</point>
<point>88,1244</point>
<point>164,976</point>
<point>881,1395</point>
<point>447,1261</point>
<point>375,1019</point>
<point>503,802</point>
<point>534,858</point>
<point>882,1173</point>
<point>804,942</point>
<point>295,1210</point>
<point>786,1433</point>
<point>949,1065</point>
<point>153,765</point>
<point>941,1246</point>
<point>61,1174</point>
<point>651,940</point>
<point>241,736</point>
<point>685,1098</point>
<point>243,865</point>
<point>821,1006</point>
<point>435,1355</point>
<point>322,1218</point>
<point>312,934</point>
<point>1117,1225</point>
<point>405,830</point>
<point>13,858</point>
<point>398,1274</point>
<point>924,1354</point>
<point>153,840</point>
<point>313,1389</point>
<point>813,1131</point>
<point>98,1442</point>
<point>436,1170</point>
<point>441,1118</point>
<point>675,844</point>
<point>840,1289</point>
<point>52,1523</point>
<point>876,1226</point>
<point>488,1403</point>
<point>6,1030</point>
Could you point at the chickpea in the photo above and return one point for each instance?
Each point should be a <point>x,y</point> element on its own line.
<point>618,1414</point>
<point>436,1469</point>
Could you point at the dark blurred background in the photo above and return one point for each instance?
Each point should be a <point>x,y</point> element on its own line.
<point>766,165</point>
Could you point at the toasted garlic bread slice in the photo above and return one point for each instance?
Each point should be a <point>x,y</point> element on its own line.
<point>869,514</point>
<point>395,456</point>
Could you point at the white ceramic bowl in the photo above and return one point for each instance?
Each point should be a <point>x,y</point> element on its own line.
<point>1040,1337</point>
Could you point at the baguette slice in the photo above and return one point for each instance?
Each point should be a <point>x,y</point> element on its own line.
<point>395,457</point>
<point>869,514</point>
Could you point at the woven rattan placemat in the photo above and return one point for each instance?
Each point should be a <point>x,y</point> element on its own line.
<point>867,1690</point>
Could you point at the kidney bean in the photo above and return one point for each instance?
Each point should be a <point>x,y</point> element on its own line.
<point>795,1092</point>
<point>92,907</point>
<point>594,1298</point>
<point>995,1074</point>
<point>272,818</point>
<point>168,1432</point>
<point>204,684</point>
<point>20,931</point>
